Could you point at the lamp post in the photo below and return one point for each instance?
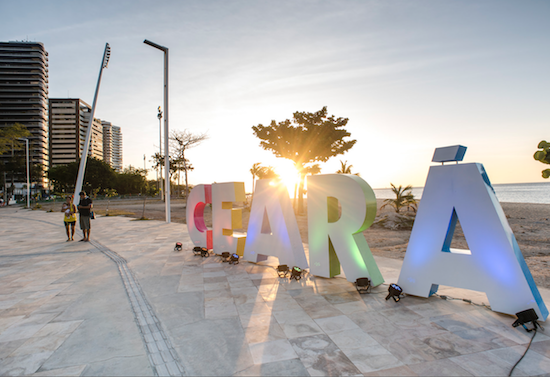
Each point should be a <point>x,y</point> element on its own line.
<point>166,147</point>
<point>84,156</point>
<point>28,173</point>
<point>159,115</point>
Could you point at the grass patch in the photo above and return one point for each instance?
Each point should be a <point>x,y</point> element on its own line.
<point>113,212</point>
<point>140,219</point>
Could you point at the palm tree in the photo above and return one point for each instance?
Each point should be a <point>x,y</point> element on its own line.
<point>403,198</point>
<point>255,171</point>
<point>266,172</point>
<point>345,168</point>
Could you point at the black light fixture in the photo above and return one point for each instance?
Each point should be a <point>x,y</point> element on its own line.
<point>527,316</point>
<point>178,246</point>
<point>362,285</point>
<point>225,256</point>
<point>394,291</point>
<point>296,273</point>
<point>234,259</point>
<point>204,252</point>
<point>197,250</point>
<point>283,270</point>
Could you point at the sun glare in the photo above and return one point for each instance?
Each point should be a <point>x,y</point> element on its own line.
<point>288,174</point>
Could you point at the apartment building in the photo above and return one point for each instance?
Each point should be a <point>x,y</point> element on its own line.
<point>24,99</point>
<point>112,145</point>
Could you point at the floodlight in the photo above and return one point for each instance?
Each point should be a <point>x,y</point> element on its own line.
<point>197,250</point>
<point>394,291</point>
<point>106,55</point>
<point>283,270</point>
<point>234,259</point>
<point>204,252</point>
<point>178,246</point>
<point>296,273</point>
<point>362,285</point>
<point>527,316</point>
<point>225,256</point>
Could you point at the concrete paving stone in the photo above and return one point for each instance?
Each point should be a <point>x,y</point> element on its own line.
<point>24,364</point>
<point>40,344</point>
<point>256,319</point>
<point>444,367</point>
<point>218,301</point>
<point>216,286</point>
<point>244,283</point>
<point>292,367</point>
<point>215,279</point>
<point>486,364</point>
<point>275,350</point>
<point>120,366</point>
<point>543,348</point>
<point>6,348</point>
<point>403,370</point>
<point>225,353</point>
<point>220,311</point>
<point>265,281</point>
<point>321,357</point>
<point>247,298</point>
<point>178,308</point>
<point>352,339</point>
<point>171,269</point>
<point>372,358</point>
<point>343,297</point>
<point>58,328</point>
<point>533,363</point>
<point>18,332</point>
<point>336,324</point>
<point>517,334</point>
<point>157,358</point>
<point>489,339</point>
<point>69,371</point>
<point>160,285</point>
<point>261,334</point>
<point>6,322</point>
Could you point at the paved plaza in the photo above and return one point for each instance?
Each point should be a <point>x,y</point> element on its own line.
<point>128,304</point>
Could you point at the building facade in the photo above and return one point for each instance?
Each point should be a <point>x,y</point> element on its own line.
<point>112,145</point>
<point>68,124</point>
<point>24,99</point>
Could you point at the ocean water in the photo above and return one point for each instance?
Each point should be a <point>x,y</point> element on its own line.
<point>509,193</point>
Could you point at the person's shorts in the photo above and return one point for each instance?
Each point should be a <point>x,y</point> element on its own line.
<point>72,223</point>
<point>84,222</point>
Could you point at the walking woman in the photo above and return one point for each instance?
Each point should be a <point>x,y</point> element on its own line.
<point>69,209</point>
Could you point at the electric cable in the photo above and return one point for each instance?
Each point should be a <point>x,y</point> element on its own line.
<point>522,356</point>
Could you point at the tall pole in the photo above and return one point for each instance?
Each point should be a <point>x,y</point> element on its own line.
<point>159,115</point>
<point>166,131</point>
<point>84,156</point>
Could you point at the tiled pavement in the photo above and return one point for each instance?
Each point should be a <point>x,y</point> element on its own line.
<point>65,310</point>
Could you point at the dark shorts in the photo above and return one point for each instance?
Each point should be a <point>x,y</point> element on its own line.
<point>84,222</point>
<point>71,223</point>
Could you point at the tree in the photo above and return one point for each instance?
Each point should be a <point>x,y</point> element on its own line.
<point>9,137</point>
<point>403,198</point>
<point>267,172</point>
<point>98,175</point>
<point>543,156</point>
<point>182,141</point>
<point>256,168</point>
<point>308,138</point>
<point>345,168</point>
<point>131,181</point>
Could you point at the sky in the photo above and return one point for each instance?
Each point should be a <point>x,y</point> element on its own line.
<point>411,76</point>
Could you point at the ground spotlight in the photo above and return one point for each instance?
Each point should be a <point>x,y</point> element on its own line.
<point>283,270</point>
<point>394,291</point>
<point>178,246</point>
<point>234,259</point>
<point>225,256</point>
<point>527,316</point>
<point>362,285</point>
<point>204,252</point>
<point>197,250</point>
<point>296,273</point>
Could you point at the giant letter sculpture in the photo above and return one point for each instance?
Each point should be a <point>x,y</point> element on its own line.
<point>334,238</point>
<point>272,228</point>
<point>225,218</point>
<point>199,197</point>
<point>494,264</point>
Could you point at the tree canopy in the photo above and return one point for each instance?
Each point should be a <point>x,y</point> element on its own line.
<point>9,137</point>
<point>180,141</point>
<point>543,156</point>
<point>307,138</point>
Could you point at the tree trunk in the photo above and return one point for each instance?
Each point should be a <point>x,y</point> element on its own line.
<point>301,194</point>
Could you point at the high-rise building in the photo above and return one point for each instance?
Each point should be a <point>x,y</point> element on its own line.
<point>112,145</point>
<point>69,118</point>
<point>24,99</point>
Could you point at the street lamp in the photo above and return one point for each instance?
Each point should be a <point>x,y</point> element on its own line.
<point>28,173</point>
<point>84,156</point>
<point>166,147</point>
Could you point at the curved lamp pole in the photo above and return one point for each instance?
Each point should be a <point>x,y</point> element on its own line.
<point>84,156</point>
<point>166,147</point>
<point>159,115</point>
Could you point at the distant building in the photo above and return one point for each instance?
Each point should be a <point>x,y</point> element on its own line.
<point>112,145</point>
<point>24,99</point>
<point>68,124</point>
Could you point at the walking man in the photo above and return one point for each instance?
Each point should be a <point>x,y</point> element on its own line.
<point>84,209</point>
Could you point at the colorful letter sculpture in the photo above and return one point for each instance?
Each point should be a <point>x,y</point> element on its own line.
<point>494,264</point>
<point>334,238</point>
<point>272,228</point>
<point>199,197</point>
<point>225,218</point>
